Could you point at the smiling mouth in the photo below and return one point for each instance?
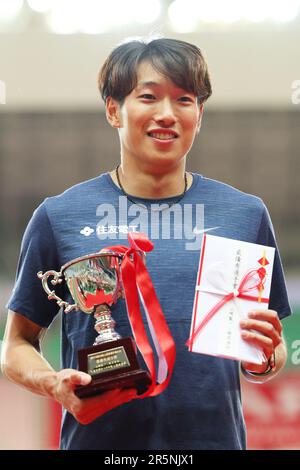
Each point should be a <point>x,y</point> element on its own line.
<point>162,136</point>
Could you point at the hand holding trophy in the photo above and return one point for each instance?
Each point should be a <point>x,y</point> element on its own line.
<point>96,282</point>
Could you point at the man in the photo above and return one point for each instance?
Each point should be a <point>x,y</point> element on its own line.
<point>154,94</point>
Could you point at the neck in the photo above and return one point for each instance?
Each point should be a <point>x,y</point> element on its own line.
<point>148,185</point>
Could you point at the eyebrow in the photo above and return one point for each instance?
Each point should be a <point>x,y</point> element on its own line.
<point>147,83</point>
<point>151,83</point>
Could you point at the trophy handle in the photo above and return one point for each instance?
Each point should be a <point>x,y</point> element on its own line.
<point>51,293</point>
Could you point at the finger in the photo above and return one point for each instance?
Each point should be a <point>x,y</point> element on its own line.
<point>260,341</point>
<point>270,316</point>
<point>81,378</point>
<point>263,327</point>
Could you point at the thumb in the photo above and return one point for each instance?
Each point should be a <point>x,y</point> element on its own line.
<point>80,378</point>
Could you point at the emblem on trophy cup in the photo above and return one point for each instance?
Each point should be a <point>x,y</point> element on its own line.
<point>95,284</point>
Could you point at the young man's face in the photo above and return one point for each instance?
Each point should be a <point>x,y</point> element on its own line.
<point>157,122</point>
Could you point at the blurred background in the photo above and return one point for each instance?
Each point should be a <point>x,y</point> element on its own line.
<point>53,134</point>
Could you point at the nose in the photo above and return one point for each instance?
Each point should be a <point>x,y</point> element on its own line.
<point>165,115</point>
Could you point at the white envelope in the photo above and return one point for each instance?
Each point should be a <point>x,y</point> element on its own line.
<point>223,264</point>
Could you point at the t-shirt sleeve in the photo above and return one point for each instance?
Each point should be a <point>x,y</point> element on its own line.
<point>278,295</point>
<point>38,253</point>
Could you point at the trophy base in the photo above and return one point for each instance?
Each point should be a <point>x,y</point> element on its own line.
<point>139,379</point>
<point>112,365</point>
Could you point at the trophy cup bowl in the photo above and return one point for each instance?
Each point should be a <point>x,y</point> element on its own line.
<point>95,284</point>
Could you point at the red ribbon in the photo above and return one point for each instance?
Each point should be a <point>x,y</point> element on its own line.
<point>136,277</point>
<point>256,275</point>
<point>98,299</point>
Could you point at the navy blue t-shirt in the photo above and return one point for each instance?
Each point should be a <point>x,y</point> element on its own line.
<point>201,408</point>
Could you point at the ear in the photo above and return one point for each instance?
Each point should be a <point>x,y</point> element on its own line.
<point>201,110</point>
<point>113,112</point>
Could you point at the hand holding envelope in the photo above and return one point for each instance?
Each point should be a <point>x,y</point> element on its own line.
<point>234,278</point>
<point>263,329</point>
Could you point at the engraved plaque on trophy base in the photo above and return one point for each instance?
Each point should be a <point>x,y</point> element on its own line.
<point>112,364</point>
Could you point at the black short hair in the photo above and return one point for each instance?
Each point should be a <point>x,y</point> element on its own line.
<point>178,60</point>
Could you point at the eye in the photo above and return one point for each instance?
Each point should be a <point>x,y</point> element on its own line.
<point>147,96</point>
<point>186,99</point>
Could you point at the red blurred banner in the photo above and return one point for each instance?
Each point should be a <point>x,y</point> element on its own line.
<point>272,412</point>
